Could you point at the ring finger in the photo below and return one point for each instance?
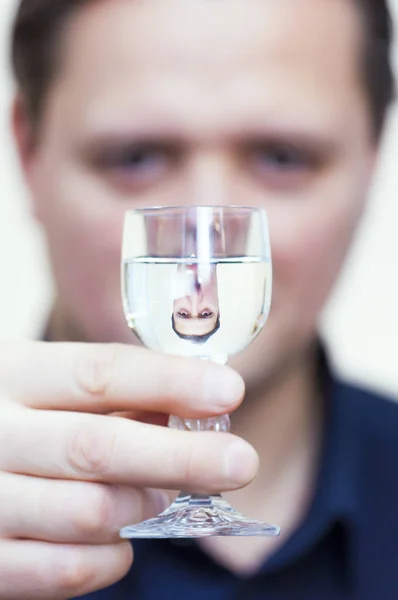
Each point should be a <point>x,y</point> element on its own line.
<point>71,511</point>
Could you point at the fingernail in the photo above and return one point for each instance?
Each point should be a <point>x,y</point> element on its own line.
<point>241,463</point>
<point>222,386</point>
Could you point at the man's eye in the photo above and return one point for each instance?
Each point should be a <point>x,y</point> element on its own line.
<point>140,164</point>
<point>183,314</point>
<point>206,314</point>
<point>282,165</point>
<point>280,157</point>
<point>138,158</point>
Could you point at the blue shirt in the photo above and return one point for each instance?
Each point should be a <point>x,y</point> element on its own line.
<point>346,546</point>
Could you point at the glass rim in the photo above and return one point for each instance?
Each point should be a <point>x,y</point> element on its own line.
<point>181,208</point>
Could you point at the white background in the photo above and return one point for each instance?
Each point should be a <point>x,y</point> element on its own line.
<point>361,322</point>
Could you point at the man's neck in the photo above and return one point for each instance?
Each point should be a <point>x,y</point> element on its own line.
<point>61,329</point>
<point>283,419</point>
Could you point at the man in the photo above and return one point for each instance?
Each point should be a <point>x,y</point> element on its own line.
<point>196,312</point>
<point>123,104</point>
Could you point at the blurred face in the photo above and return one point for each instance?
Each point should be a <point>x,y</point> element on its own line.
<point>239,102</point>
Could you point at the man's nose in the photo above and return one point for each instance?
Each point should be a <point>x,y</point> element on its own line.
<point>207,183</point>
<point>210,179</point>
<point>195,304</point>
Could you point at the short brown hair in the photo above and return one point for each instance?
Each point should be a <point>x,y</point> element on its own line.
<point>39,24</point>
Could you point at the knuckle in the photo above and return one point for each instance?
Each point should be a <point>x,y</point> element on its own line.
<point>96,515</point>
<point>94,371</point>
<point>70,573</point>
<point>91,450</point>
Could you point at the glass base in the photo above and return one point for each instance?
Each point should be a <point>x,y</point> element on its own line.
<point>195,516</point>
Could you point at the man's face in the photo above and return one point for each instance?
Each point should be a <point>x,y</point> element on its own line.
<point>238,102</point>
<point>196,309</point>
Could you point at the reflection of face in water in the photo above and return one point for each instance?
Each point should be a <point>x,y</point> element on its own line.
<point>196,313</point>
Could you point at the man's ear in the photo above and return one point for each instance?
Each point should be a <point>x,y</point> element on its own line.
<point>26,144</point>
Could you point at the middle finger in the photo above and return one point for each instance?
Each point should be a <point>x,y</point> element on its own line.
<point>116,450</point>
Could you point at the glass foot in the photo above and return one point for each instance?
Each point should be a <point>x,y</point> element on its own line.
<point>196,515</point>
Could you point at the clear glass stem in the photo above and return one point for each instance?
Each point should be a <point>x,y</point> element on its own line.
<point>219,424</point>
<point>199,515</point>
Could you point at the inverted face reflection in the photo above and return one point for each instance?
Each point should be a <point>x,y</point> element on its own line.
<point>196,314</point>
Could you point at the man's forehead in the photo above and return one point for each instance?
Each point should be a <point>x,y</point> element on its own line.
<point>168,58</point>
<point>221,36</point>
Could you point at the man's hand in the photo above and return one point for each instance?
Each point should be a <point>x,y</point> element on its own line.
<point>72,472</point>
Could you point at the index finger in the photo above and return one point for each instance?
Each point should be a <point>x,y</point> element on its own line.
<point>100,378</point>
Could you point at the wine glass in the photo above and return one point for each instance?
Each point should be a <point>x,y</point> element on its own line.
<point>196,281</point>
